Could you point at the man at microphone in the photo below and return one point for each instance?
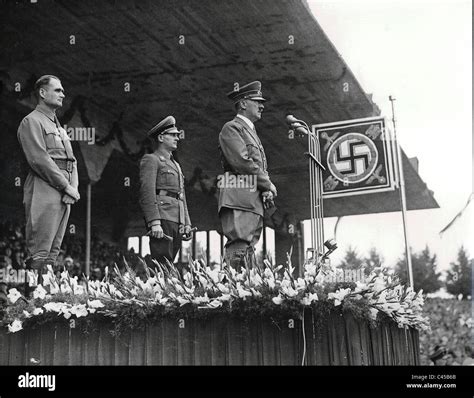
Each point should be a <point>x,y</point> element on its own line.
<point>241,208</point>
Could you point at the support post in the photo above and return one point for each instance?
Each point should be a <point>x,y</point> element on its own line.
<point>88,230</point>
<point>402,196</point>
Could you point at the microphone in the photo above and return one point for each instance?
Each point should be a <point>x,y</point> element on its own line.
<point>298,126</point>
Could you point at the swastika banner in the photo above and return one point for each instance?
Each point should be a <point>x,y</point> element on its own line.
<point>358,156</point>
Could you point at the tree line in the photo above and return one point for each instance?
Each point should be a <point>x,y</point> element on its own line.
<point>424,264</point>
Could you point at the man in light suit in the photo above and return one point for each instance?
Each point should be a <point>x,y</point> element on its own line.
<point>52,183</point>
<point>162,195</point>
<point>241,206</point>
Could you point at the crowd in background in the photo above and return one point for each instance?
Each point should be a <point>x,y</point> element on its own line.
<point>449,342</point>
<point>71,257</point>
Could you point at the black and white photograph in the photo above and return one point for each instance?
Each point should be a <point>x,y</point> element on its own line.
<point>259,190</point>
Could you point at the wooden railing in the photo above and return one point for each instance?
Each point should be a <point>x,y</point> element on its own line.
<point>217,341</point>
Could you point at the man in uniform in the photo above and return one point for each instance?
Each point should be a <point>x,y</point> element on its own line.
<point>162,196</point>
<point>241,209</point>
<point>51,186</point>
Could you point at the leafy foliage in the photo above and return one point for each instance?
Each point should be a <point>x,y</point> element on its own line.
<point>424,266</point>
<point>459,277</point>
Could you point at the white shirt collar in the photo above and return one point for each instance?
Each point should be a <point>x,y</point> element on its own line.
<point>247,121</point>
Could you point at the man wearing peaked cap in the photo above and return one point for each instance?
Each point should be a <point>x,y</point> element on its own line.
<point>241,206</point>
<point>166,126</point>
<point>162,197</point>
<point>249,91</point>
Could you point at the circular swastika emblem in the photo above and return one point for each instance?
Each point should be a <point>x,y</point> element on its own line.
<point>352,158</point>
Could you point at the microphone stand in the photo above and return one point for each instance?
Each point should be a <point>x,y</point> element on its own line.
<point>315,188</point>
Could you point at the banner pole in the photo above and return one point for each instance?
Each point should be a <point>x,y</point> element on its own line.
<point>88,230</point>
<point>402,196</point>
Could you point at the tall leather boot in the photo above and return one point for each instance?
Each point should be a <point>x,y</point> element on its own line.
<point>34,265</point>
<point>235,259</point>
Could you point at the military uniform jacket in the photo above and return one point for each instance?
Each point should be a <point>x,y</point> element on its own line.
<point>242,154</point>
<point>160,173</point>
<point>43,141</point>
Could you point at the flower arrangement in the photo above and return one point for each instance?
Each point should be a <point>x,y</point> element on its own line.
<point>127,300</point>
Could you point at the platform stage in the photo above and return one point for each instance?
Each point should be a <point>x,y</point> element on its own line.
<point>219,340</point>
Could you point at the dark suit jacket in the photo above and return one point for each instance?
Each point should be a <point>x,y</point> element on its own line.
<point>243,154</point>
<point>158,172</point>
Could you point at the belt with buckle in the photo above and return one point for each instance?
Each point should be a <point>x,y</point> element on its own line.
<point>164,192</point>
<point>64,164</point>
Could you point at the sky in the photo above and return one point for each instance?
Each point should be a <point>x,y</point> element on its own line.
<point>420,52</point>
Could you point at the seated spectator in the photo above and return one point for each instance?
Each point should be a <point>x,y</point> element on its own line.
<point>451,359</point>
<point>469,361</point>
<point>437,357</point>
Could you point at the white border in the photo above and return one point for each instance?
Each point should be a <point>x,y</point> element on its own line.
<point>388,149</point>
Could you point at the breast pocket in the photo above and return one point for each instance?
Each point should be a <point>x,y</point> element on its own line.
<point>168,178</point>
<point>52,140</point>
<point>254,153</point>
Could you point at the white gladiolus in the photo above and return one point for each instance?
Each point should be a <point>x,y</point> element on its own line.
<point>225,297</point>
<point>309,298</point>
<point>378,284</point>
<point>256,279</point>
<point>223,288</point>
<point>39,293</point>
<point>310,269</point>
<point>53,307</point>
<point>211,289</point>
<point>289,291</point>
<point>300,284</point>
<point>319,279</point>
<point>277,300</point>
<point>203,281</point>
<point>373,313</point>
<point>38,311</point>
<point>214,304</point>
<point>53,288</point>
<point>96,304</point>
<point>32,278</point>
<point>78,310</point>
<point>271,283</point>
<point>15,326</point>
<point>339,295</point>
<point>241,292</point>
<point>78,289</point>
<point>268,273</point>
<point>201,299</point>
<point>188,279</point>
<point>47,278</point>
<point>65,288</point>
<point>214,274</point>
<point>182,301</point>
<point>255,293</point>
<point>13,295</point>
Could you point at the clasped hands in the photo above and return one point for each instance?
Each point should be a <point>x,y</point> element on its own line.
<point>268,197</point>
<point>71,195</point>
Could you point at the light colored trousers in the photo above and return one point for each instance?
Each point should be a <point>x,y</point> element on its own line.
<point>46,219</point>
<point>242,230</point>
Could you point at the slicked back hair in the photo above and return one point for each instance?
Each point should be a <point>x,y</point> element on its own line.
<point>43,81</point>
